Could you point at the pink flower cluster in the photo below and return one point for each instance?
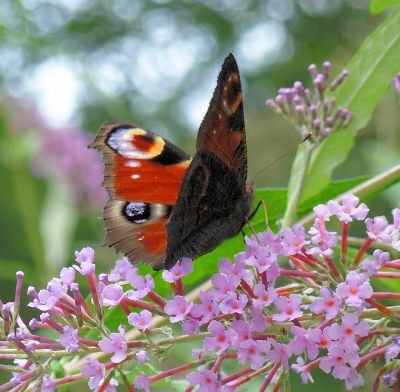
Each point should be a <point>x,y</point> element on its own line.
<point>64,153</point>
<point>313,112</point>
<point>291,301</point>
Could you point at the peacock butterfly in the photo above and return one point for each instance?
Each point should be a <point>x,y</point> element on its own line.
<point>164,205</point>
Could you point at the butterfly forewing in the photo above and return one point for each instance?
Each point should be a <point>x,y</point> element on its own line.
<point>214,201</point>
<point>222,130</point>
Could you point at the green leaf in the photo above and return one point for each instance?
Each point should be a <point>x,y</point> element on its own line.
<point>378,6</point>
<point>371,70</point>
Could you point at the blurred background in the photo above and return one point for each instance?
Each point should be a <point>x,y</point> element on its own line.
<point>66,66</point>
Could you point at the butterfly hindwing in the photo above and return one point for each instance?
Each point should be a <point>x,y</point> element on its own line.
<point>214,201</point>
<point>143,174</point>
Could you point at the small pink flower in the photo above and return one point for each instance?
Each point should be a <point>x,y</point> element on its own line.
<point>183,267</point>
<point>263,297</point>
<point>85,259</point>
<point>115,344</point>
<point>262,259</point>
<point>111,294</point>
<point>322,211</point>
<point>324,241</point>
<point>328,304</point>
<point>355,290</point>
<point>371,267</point>
<point>377,229</point>
<point>177,308</point>
<point>70,339</point>
<point>338,359</point>
<point>84,255</point>
<point>95,371</point>
<point>207,381</point>
<point>143,286</point>
<point>349,330</point>
<point>223,285</point>
<point>122,270</point>
<point>303,341</point>
<point>67,275</point>
<point>289,307</point>
<point>142,357</point>
<point>191,326</point>
<point>233,303</point>
<point>300,368</point>
<point>243,331</point>
<point>259,321</point>
<point>47,299</point>
<point>347,210</point>
<point>393,350</point>
<point>221,339</point>
<point>279,353</point>
<point>207,309</point>
<point>251,350</point>
<point>324,338</point>
<point>140,321</point>
<point>142,382</point>
<point>236,271</point>
<point>291,241</point>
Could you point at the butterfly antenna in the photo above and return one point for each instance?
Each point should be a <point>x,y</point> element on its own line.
<point>283,155</point>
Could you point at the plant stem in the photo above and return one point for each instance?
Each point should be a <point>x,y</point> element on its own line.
<point>301,174</point>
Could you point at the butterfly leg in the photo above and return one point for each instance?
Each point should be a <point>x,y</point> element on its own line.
<point>264,206</point>
<point>243,234</point>
<point>254,232</point>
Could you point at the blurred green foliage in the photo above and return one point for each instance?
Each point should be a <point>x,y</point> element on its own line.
<point>154,63</point>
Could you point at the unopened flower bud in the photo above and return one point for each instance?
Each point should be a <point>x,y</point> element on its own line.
<point>313,70</point>
<point>339,80</point>
<point>316,124</point>
<point>326,68</point>
<point>326,131</point>
<point>319,82</point>
<point>313,111</point>
<point>329,121</point>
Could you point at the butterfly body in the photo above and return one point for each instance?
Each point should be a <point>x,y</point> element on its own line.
<point>162,204</point>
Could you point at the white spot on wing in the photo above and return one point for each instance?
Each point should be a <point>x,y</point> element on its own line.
<point>135,176</point>
<point>133,163</point>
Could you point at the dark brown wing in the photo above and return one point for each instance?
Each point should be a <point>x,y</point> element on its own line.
<point>222,130</point>
<point>213,202</point>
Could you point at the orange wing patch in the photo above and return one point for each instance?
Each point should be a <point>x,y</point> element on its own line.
<point>144,180</point>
